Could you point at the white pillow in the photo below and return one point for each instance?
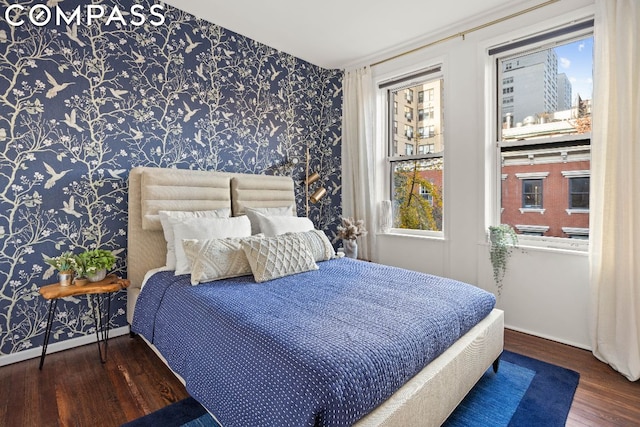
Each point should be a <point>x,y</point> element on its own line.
<point>216,259</point>
<point>274,257</point>
<point>254,213</point>
<point>319,245</point>
<point>202,229</point>
<point>277,225</point>
<point>167,228</point>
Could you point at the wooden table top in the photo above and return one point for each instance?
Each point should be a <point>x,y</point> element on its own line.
<point>111,283</point>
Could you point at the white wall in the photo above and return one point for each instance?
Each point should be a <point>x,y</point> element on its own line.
<point>545,291</point>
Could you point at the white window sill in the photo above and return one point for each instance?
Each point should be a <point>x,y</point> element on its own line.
<point>414,234</point>
<point>555,244</point>
<point>532,210</point>
<point>577,211</point>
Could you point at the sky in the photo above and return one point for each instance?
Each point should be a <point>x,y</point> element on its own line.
<point>576,61</point>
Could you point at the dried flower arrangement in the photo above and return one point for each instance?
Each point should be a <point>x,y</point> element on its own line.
<point>351,229</point>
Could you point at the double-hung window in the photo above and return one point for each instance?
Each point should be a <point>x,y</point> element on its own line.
<point>543,96</point>
<point>416,167</point>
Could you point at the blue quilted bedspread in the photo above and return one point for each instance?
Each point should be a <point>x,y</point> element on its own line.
<point>321,348</point>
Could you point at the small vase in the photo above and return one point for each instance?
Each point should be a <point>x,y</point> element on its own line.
<point>350,248</point>
<point>65,278</point>
<point>80,281</point>
<point>98,275</point>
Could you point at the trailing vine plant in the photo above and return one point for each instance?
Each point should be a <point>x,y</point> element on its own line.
<point>502,239</point>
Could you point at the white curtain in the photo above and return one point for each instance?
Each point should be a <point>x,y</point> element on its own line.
<point>615,187</point>
<point>357,155</point>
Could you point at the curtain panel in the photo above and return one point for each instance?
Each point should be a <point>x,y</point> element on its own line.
<point>615,187</point>
<point>357,155</point>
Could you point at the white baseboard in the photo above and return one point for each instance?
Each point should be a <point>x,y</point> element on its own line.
<point>59,346</point>
<point>549,337</point>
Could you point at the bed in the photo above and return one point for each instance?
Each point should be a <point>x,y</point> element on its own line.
<point>178,318</point>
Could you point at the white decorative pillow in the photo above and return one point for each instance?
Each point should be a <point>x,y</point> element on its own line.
<point>319,245</point>
<point>167,228</point>
<point>253,214</point>
<point>202,229</point>
<point>216,259</point>
<point>274,257</point>
<point>277,225</point>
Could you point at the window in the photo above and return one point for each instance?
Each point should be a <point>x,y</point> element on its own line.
<point>426,195</point>
<point>427,131</point>
<point>543,90</point>
<point>427,113</point>
<point>409,95</point>
<point>532,193</point>
<point>426,148</point>
<point>579,193</point>
<point>408,131</point>
<point>408,113</point>
<point>416,172</point>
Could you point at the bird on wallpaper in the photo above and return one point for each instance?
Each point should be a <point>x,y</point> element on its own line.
<point>200,71</point>
<point>274,73</point>
<point>3,36</point>
<point>190,44</point>
<point>55,176</point>
<point>274,128</point>
<point>137,134</point>
<point>189,111</point>
<point>57,87</point>
<point>139,58</point>
<point>70,207</point>
<point>72,33</point>
<point>70,120</point>
<point>118,92</point>
<point>115,173</point>
<point>336,90</point>
<point>198,138</point>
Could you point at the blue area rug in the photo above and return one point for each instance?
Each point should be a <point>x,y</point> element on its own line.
<point>524,392</point>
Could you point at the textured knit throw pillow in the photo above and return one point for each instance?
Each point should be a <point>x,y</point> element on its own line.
<point>319,245</point>
<point>215,259</point>
<point>274,257</point>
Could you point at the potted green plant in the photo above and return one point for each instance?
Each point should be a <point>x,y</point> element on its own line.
<point>65,263</point>
<point>502,240</point>
<point>94,263</point>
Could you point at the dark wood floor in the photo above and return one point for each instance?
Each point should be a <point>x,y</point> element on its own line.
<point>74,389</point>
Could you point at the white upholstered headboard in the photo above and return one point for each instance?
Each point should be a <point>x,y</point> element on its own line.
<point>154,189</point>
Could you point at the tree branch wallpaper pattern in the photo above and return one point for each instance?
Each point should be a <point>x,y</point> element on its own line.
<point>82,104</point>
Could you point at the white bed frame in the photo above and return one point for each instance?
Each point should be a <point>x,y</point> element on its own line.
<point>425,400</point>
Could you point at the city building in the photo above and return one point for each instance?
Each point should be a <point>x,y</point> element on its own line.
<point>530,86</point>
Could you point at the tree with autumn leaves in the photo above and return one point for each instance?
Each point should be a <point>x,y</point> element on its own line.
<point>412,210</point>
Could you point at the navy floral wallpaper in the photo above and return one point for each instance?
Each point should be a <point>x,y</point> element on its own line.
<point>82,103</point>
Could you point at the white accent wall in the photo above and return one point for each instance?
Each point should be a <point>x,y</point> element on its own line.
<point>546,291</point>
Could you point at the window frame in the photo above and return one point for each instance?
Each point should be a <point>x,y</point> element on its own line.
<point>560,34</point>
<point>572,180</point>
<point>429,73</point>
<point>539,198</point>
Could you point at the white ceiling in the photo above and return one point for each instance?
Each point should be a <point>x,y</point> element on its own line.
<point>339,33</point>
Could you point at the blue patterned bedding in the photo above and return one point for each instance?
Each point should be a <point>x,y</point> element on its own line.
<point>321,348</point>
